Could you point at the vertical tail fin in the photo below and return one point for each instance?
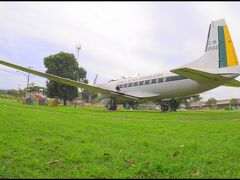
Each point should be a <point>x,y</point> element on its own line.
<point>219,50</point>
<point>227,54</point>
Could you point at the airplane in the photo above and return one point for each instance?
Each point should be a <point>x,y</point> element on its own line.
<point>218,66</point>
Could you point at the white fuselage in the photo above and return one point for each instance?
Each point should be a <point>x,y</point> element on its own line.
<point>159,86</point>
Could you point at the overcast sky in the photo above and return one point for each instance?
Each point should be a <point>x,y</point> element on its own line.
<point>117,38</point>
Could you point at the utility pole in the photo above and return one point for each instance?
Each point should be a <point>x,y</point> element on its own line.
<point>28,78</point>
<point>18,92</point>
<point>28,81</point>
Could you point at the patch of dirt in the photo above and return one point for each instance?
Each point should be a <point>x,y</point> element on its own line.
<point>130,162</point>
<point>222,120</point>
<point>53,161</point>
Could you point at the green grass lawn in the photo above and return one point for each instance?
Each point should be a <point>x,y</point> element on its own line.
<point>63,142</point>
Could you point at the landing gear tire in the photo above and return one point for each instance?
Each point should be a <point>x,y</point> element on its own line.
<point>164,107</point>
<point>112,105</point>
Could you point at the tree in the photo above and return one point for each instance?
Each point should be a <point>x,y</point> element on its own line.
<point>85,94</point>
<point>13,92</point>
<point>21,93</point>
<point>133,104</point>
<point>33,88</point>
<point>234,102</point>
<point>187,101</point>
<point>211,102</point>
<point>64,65</point>
<point>174,104</point>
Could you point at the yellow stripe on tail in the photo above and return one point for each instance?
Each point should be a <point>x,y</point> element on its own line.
<point>231,54</point>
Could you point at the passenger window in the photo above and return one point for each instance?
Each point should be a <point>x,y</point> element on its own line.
<point>120,86</point>
<point>141,83</point>
<point>130,84</point>
<point>160,80</point>
<point>125,85</point>
<point>154,81</point>
<point>147,82</point>
<point>135,83</point>
<point>170,78</point>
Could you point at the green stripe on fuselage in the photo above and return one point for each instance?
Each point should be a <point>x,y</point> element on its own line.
<point>222,48</point>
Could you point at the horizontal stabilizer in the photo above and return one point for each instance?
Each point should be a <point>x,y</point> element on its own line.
<point>233,83</point>
<point>201,76</point>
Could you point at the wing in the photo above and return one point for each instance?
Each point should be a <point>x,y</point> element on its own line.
<point>201,76</point>
<point>70,82</point>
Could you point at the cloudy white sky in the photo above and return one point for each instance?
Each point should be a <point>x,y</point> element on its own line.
<point>117,38</point>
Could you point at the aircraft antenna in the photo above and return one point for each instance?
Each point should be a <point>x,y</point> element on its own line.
<point>18,92</point>
<point>78,47</point>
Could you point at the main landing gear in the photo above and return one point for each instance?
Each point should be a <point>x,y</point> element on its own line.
<point>112,104</point>
<point>164,107</point>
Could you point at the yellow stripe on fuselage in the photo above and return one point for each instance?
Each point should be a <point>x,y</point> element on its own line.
<point>231,54</point>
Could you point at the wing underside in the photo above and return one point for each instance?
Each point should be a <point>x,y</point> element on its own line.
<point>70,82</point>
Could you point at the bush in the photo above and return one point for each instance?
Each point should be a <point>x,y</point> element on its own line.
<point>43,101</point>
<point>6,96</point>
<point>228,108</point>
<point>54,102</point>
<point>30,100</point>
